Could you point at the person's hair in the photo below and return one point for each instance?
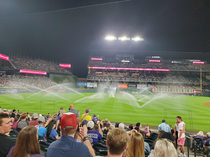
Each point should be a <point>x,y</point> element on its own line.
<point>179,117</point>
<point>65,132</point>
<point>117,140</point>
<point>131,126</point>
<point>87,110</point>
<point>27,142</point>
<point>16,118</point>
<point>137,128</point>
<point>143,134</point>
<point>136,145</point>
<point>2,116</point>
<point>164,148</point>
<point>62,111</point>
<point>104,123</point>
<point>170,125</point>
<point>50,127</point>
<point>117,125</point>
<point>160,133</point>
<point>23,115</point>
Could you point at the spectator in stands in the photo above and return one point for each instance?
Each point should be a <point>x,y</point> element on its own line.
<point>27,144</point>
<point>72,110</point>
<point>131,127</point>
<point>42,131</point>
<point>164,147</point>
<point>135,145</point>
<point>86,116</point>
<point>117,142</point>
<point>67,145</point>
<point>5,127</point>
<point>106,130</point>
<point>24,122</point>
<point>51,132</point>
<point>117,125</point>
<point>164,126</point>
<point>95,119</point>
<point>181,134</point>
<point>172,130</point>
<point>15,122</point>
<point>34,121</point>
<point>200,135</point>
<point>145,130</point>
<point>61,112</point>
<point>121,126</point>
<point>146,145</point>
<point>176,133</point>
<point>94,135</point>
<point>207,142</point>
<point>160,133</point>
<point>13,113</point>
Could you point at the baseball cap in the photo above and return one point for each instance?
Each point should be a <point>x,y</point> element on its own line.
<point>41,119</point>
<point>40,115</point>
<point>94,115</point>
<point>107,124</point>
<point>84,122</point>
<point>35,115</point>
<point>168,136</point>
<point>163,120</point>
<point>138,124</point>
<point>121,126</point>
<point>68,120</point>
<point>90,124</point>
<point>208,134</point>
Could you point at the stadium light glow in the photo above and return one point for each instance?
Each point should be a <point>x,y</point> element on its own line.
<point>118,68</point>
<point>198,62</point>
<point>124,38</point>
<point>137,39</point>
<point>4,57</point>
<point>110,38</point>
<point>33,72</point>
<point>155,61</point>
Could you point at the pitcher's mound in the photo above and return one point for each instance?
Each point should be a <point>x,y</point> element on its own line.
<point>207,104</point>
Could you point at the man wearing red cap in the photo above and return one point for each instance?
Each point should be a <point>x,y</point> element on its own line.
<point>67,145</point>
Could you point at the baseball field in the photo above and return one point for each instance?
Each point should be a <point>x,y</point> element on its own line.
<point>121,107</point>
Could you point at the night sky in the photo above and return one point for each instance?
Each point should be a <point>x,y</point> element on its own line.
<point>67,31</point>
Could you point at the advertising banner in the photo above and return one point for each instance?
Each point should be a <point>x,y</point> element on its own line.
<point>91,84</point>
<point>82,84</point>
<point>122,86</point>
<point>140,86</point>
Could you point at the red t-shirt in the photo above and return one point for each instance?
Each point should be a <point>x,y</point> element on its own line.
<point>34,123</point>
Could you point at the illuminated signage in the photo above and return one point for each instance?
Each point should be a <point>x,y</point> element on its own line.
<point>198,62</point>
<point>154,61</point>
<point>65,65</point>
<point>4,57</point>
<point>33,72</point>
<point>138,69</point>
<point>96,59</point>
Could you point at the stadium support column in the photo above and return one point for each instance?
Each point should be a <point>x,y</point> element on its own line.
<point>201,80</point>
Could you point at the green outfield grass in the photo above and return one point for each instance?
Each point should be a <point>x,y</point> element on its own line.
<point>119,109</point>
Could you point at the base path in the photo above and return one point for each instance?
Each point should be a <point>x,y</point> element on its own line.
<point>207,104</point>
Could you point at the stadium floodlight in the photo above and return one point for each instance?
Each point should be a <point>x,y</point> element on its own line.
<point>124,38</point>
<point>110,38</point>
<point>137,39</point>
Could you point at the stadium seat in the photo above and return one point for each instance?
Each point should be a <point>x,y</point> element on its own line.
<point>43,146</point>
<point>100,149</point>
<point>50,139</point>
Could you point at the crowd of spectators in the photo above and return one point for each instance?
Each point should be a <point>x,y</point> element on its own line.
<point>186,66</point>
<point>23,81</point>
<point>86,137</point>
<point>38,64</point>
<point>143,77</point>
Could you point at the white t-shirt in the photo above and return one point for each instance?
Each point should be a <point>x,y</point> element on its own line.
<point>181,126</point>
<point>176,125</point>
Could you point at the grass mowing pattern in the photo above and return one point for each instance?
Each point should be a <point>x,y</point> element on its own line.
<point>118,109</point>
